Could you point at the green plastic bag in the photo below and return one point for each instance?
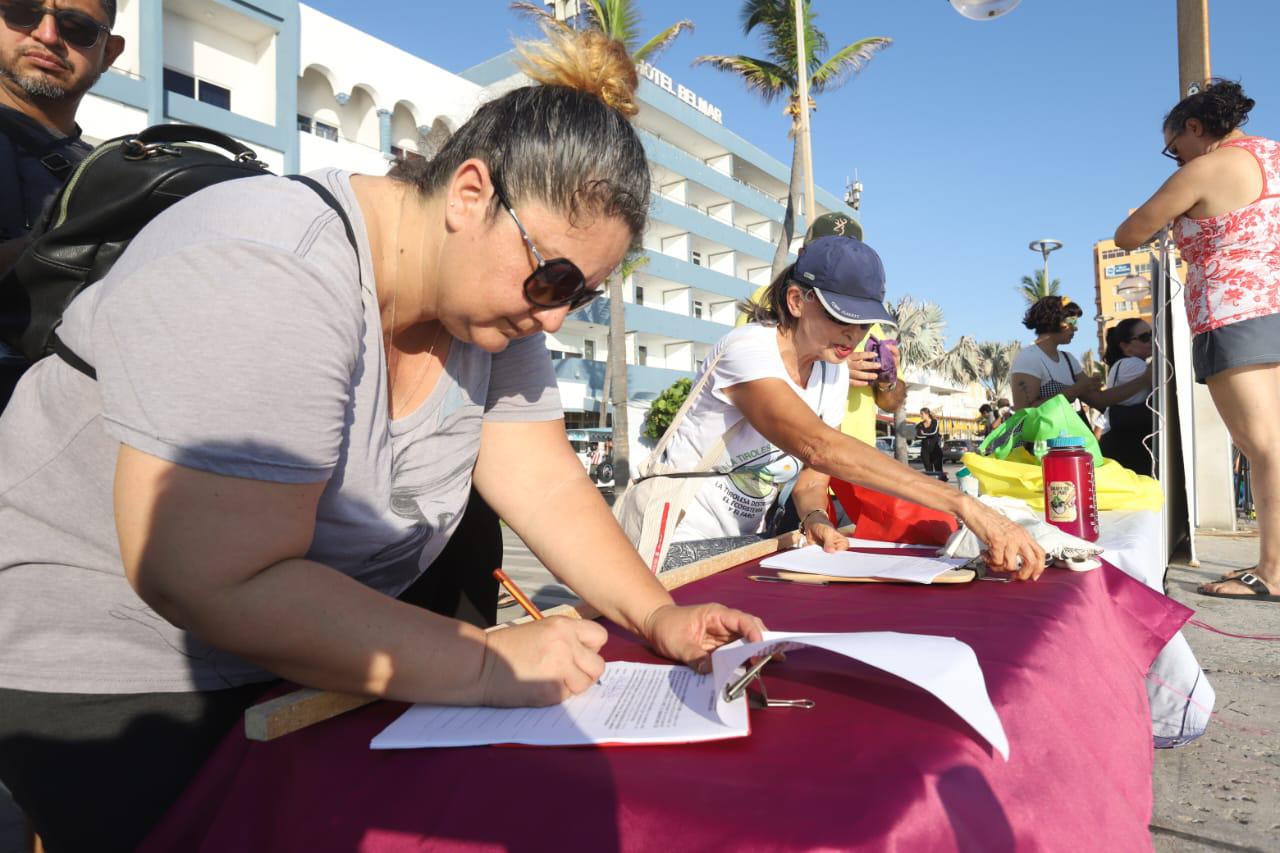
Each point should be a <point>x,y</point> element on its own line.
<point>1036,425</point>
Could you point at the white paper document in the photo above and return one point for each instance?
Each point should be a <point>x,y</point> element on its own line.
<point>637,703</point>
<point>632,703</point>
<point>812,560</point>
<point>943,666</point>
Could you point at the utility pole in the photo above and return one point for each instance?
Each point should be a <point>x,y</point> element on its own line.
<point>802,77</point>
<point>1193,46</point>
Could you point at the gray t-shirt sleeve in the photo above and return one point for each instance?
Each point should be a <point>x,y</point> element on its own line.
<point>522,383</point>
<point>232,357</point>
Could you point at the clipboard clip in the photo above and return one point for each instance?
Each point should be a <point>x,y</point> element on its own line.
<point>738,686</point>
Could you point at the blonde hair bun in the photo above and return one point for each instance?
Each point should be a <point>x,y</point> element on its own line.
<point>586,60</point>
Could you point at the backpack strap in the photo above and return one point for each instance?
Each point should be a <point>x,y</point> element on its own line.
<point>68,355</point>
<point>328,198</point>
<point>43,149</point>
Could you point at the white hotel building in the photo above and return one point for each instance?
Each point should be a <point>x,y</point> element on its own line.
<point>307,91</point>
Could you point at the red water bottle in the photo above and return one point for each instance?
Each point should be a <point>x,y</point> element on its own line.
<point>1070,500</point>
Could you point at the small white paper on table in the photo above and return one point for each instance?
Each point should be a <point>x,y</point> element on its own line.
<point>851,564</point>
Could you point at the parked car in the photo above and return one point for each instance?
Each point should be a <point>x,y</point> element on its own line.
<point>885,444</point>
<point>954,448</point>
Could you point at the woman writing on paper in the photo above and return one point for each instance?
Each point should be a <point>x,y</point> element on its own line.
<point>282,436</point>
<point>775,391</point>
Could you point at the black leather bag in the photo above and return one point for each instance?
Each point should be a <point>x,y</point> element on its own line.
<point>120,187</point>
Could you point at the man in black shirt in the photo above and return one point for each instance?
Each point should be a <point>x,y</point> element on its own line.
<point>51,53</point>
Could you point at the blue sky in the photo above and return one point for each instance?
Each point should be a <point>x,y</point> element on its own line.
<point>971,138</point>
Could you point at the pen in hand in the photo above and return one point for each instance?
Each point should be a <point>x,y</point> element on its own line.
<point>518,594</point>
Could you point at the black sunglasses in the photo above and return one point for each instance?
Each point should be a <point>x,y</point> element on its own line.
<point>1145,338</point>
<point>75,28</point>
<point>553,283</point>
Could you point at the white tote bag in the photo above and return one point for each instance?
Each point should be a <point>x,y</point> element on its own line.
<point>654,501</point>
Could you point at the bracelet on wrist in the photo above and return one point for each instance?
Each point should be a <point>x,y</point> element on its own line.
<point>804,521</point>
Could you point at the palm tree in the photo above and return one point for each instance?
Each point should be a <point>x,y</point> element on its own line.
<point>996,360</point>
<point>615,377</point>
<point>920,330</point>
<point>1091,365</point>
<point>776,76</point>
<point>962,363</point>
<point>1033,287</point>
<point>620,21</point>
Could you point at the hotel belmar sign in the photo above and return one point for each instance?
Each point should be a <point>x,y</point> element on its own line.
<point>663,81</point>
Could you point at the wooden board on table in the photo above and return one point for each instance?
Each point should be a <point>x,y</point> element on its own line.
<point>949,576</point>
<point>301,708</point>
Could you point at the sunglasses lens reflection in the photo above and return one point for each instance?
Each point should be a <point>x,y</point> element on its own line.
<point>558,282</point>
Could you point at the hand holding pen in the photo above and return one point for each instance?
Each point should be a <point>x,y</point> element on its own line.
<point>542,662</point>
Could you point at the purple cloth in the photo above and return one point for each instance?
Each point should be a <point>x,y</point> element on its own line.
<point>878,764</point>
<point>884,355</point>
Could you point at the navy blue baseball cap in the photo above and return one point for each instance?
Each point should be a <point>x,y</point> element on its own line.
<point>848,277</point>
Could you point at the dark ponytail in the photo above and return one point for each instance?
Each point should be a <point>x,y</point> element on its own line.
<point>772,309</point>
<point>1221,107</point>
<point>1116,335</point>
<point>1048,313</point>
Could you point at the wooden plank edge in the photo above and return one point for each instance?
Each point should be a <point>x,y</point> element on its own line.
<point>306,707</point>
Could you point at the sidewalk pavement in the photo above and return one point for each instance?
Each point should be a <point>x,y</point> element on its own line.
<point>1222,792</point>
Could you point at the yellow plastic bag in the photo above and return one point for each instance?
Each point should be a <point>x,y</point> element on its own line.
<point>1020,477</point>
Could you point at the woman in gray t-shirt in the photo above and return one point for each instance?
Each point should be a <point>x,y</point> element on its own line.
<point>282,437</point>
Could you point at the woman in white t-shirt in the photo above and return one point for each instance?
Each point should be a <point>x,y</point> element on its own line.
<point>1129,420</point>
<point>1043,370</point>
<point>785,373</point>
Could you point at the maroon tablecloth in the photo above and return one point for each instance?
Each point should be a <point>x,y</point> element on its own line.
<point>876,765</point>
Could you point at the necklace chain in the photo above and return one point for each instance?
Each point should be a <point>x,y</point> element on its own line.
<point>397,408</point>
<point>422,376</point>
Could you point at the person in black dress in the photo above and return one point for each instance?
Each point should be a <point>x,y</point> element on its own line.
<point>930,444</point>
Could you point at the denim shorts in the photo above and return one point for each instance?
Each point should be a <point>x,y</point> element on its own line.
<point>1253,341</point>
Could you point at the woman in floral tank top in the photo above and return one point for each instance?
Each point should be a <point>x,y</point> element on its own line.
<point>1224,207</point>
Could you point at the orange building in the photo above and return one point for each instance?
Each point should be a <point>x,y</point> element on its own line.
<point>1111,266</point>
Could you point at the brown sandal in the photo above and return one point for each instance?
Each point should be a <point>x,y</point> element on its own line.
<point>1258,589</point>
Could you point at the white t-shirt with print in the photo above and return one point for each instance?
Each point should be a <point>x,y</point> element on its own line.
<point>1032,361</point>
<point>735,505</point>
<point>1127,368</point>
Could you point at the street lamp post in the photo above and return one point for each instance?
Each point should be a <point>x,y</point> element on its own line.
<point>1133,285</point>
<point>1045,247</point>
<point>1193,46</point>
